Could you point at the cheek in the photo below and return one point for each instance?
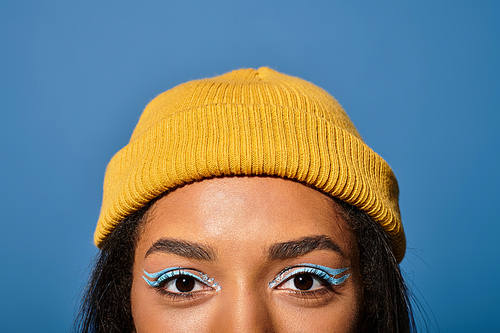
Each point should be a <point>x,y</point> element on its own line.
<point>340,318</point>
<point>151,312</point>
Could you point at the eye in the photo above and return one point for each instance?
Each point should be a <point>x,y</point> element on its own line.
<point>178,280</point>
<point>308,277</point>
<point>302,282</point>
<point>184,284</point>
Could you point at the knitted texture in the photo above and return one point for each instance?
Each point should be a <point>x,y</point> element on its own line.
<point>249,122</point>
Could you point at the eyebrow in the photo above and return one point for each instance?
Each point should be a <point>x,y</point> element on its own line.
<point>298,247</point>
<point>183,248</point>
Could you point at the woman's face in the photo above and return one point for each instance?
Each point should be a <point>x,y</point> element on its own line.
<point>246,255</point>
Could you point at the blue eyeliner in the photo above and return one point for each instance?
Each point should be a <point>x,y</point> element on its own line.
<point>173,272</point>
<point>325,273</point>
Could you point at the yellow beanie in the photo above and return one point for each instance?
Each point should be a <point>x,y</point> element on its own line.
<point>249,122</point>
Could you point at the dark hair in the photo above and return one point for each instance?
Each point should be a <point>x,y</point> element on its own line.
<point>387,305</point>
<point>105,305</point>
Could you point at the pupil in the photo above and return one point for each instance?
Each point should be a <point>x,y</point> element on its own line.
<point>184,284</point>
<point>303,282</point>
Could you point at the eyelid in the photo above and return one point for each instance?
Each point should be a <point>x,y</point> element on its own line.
<point>325,273</point>
<point>173,272</point>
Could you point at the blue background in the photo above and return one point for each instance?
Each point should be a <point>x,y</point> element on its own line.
<point>420,79</point>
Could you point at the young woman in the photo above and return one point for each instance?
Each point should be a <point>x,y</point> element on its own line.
<point>247,202</point>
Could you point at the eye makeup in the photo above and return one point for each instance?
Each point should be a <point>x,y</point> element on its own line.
<point>161,277</point>
<point>325,274</point>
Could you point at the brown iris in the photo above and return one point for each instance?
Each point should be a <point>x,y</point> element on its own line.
<point>303,281</point>
<point>184,284</point>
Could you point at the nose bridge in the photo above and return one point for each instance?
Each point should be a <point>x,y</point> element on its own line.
<point>244,309</point>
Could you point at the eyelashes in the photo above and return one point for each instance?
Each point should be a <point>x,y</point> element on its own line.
<point>308,277</point>
<point>305,277</point>
<point>186,281</point>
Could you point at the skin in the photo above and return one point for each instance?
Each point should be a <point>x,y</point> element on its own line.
<point>237,221</point>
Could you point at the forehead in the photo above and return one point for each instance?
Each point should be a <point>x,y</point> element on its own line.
<point>245,212</point>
